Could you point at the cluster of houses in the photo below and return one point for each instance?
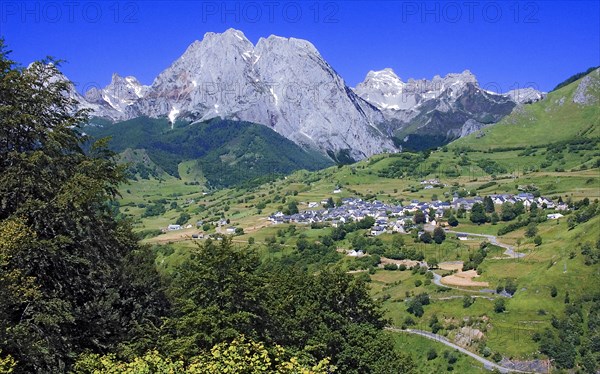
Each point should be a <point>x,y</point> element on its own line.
<point>387,217</point>
<point>527,199</point>
<point>399,218</point>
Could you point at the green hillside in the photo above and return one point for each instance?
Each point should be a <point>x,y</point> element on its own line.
<point>552,313</point>
<point>220,152</point>
<point>513,334</point>
<point>556,118</point>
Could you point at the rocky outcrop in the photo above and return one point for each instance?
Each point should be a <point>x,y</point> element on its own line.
<point>425,113</point>
<point>587,90</point>
<point>283,83</point>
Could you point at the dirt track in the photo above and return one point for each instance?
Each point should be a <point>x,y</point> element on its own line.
<point>464,279</point>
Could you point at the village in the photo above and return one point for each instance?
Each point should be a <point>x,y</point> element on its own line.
<point>400,218</point>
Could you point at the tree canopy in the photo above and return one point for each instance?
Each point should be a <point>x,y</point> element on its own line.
<point>68,282</point>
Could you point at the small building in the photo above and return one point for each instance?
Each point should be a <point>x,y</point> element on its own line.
<point>354,253</point>
<point>554,216</point>
<point>377,230</point>
<point>462,236</point>
<point>173,227</point>
<point>230,230</point>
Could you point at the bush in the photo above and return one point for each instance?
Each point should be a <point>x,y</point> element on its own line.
<point>431,354</point>
<point>468,301</point>
<point>183,218</point>
<point>500,305</point>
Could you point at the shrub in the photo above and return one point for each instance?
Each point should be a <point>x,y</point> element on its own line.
<point>499,305</point>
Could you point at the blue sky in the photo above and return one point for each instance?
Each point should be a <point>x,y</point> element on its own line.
<point>505,44</point>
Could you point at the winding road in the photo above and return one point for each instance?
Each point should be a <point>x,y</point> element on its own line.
<point>489,365</point>
<point>509,250</point>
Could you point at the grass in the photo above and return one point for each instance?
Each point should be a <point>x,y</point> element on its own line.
<point>508,333</point>
<point>541,123</point>
<point>419,346</point>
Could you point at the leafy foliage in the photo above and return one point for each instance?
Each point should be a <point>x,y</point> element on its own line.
<point>239,356</point>
<point>73,278</point>
<point>228,152</point>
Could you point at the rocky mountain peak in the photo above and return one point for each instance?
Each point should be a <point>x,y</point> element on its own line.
<point>283,83</point>
<point>383,89</point>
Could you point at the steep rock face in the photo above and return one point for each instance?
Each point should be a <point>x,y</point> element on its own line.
<point>425,113</point>
<point>587,90</point>
<point>385,90</point>
<point>525,95</point>
<point>281,83</point>
<point>114,101</point>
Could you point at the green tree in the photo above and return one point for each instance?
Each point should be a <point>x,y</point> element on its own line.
<point>494,218</point>
<point>439,235</point>
<point>338,233</point>
<point>426,237</point>
<point>365,223</point>
<point>239,356</point>
<point>85,282</point>
<point>478,214</point>
<point>293,207</point>
<point>507,213</point>
<point>342,323</point>
<point>533,209</point>
<point>537,240</point>
<point>489,204</point>
<point>519,208</point>
<point>468,301</point>
<point>183,218</point>
<point>531,230</point>
<point>419,217</point>
<point>452,221</point>
<point>214,298</point>
<point>499,305</point>
<point>415,307</point>
<point>330,204</point>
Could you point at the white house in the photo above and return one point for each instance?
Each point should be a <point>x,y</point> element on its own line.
<point>377,230</point>
<point>173,227</point>
<point>554,216</point>
<point>354,253</point>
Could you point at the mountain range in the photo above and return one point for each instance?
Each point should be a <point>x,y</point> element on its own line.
<point>286,85</point>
